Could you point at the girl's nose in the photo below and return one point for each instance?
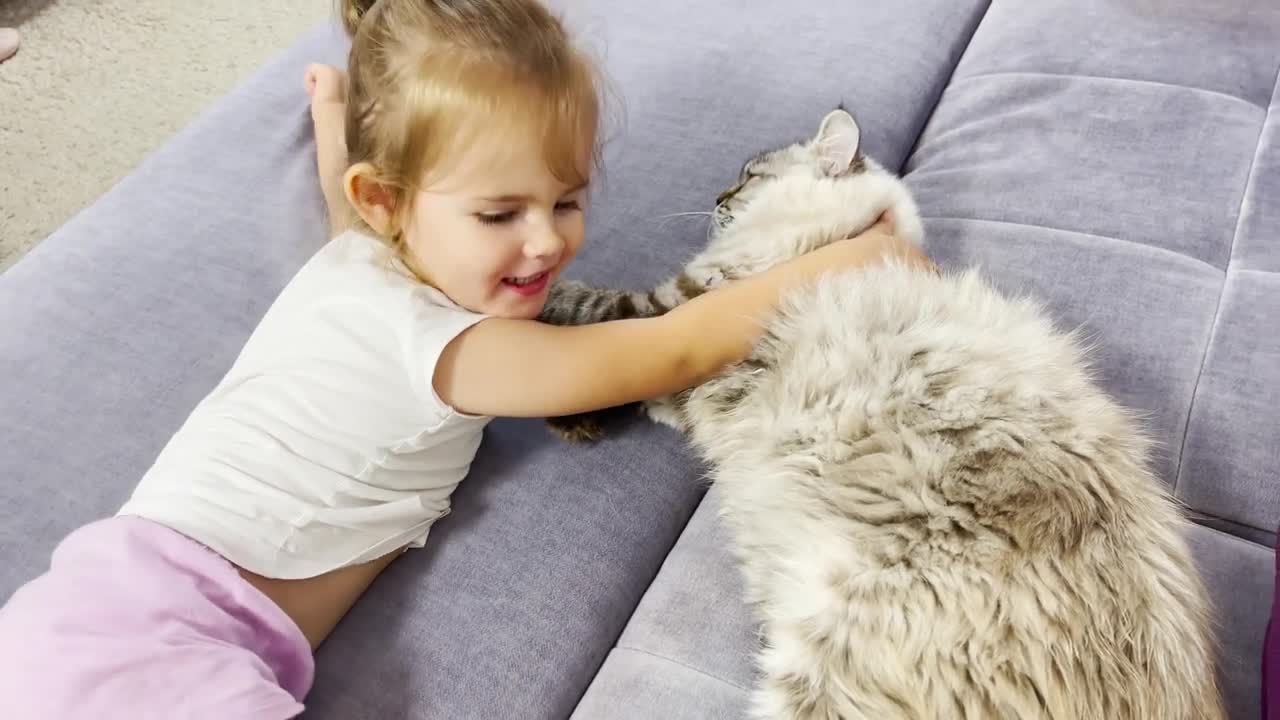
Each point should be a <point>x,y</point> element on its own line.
<point>546,242</point>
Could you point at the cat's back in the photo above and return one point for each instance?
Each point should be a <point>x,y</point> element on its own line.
<point>984,485</point>
<point>899,349</point>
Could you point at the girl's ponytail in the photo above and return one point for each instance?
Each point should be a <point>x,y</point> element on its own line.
<point>352,11</point>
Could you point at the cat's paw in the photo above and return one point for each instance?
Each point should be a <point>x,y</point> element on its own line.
<point>576,429</point>
<point>665,411</point>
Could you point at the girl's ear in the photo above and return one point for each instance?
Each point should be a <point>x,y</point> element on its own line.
<point>372,200</point>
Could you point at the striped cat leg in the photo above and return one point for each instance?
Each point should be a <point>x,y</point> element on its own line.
<point>573,303</point>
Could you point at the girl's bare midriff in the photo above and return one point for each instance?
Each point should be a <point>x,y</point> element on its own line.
<point>317,604</point>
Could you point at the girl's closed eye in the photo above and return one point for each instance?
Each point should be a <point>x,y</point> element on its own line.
<point>496,218</point>
<point>506,216</point>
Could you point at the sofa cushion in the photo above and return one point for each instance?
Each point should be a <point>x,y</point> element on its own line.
<point>1226,47</point>
<point>703,89</point>
<point>118,323</point>
<point>1230,455</point>
<point>688,651</point>
<point>1120,127</point>
<point>1117,161</point>
<point>1240,576</point>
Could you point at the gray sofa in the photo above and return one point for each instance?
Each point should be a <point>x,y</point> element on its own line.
<point>1118,158</point>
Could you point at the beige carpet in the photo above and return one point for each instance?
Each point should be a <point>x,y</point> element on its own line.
<point>99,84</point>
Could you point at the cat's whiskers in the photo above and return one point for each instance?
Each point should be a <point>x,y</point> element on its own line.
<point>693,213</point>
<point>673,216</point>
<point>686,214</point>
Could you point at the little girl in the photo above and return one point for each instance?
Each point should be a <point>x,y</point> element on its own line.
<point>357,405</point>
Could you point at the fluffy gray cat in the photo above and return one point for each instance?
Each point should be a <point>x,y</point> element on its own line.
<point>937,512</point>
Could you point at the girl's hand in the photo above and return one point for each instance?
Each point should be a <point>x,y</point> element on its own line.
<point>877,244</point>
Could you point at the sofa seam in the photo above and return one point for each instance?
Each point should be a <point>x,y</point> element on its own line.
<point>1108,78</point>
<point>1121,241</point>
<point>1255,271</point>
<point>942,89</point>
<point>635,606</point>
<point>1226,278</point>
<point>684,665</point>
<point>1194,513</point>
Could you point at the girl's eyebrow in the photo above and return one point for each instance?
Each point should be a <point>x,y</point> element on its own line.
<point>528,198</point>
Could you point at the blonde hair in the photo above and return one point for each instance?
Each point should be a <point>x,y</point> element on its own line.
<point>426,76</point>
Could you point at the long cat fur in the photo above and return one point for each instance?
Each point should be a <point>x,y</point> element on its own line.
<point>938,514</point>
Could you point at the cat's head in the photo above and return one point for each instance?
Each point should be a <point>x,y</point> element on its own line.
<point>824,183</point>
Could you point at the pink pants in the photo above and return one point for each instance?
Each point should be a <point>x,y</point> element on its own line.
<point>135,621</point>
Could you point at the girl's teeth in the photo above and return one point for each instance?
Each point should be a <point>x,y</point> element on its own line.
<point>523,281</point>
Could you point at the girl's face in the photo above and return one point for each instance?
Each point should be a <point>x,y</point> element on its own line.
<point>495,231</point>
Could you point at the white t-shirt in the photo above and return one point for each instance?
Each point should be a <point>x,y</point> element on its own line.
<point>325,445</point>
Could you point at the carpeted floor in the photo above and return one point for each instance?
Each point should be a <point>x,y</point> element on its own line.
<point>98,84</point>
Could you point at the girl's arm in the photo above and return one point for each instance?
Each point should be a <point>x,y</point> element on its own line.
<point>520,368</point>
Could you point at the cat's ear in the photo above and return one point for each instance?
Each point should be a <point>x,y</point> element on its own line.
<point>837,142</point>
